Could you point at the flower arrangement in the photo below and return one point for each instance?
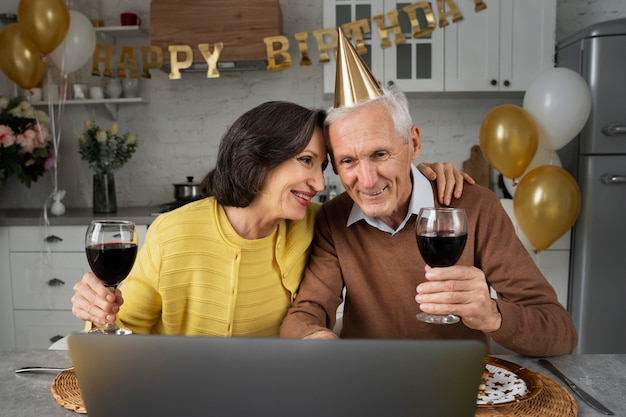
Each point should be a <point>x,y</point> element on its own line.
<point>26,147</point>
<point>105,150</point>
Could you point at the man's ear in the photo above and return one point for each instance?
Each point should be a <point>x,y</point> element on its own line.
<point>416,143</point>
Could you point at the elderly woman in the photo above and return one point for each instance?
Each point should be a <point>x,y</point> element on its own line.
<point>231,263</point>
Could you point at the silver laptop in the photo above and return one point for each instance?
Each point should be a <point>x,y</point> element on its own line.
<point>165,376</point>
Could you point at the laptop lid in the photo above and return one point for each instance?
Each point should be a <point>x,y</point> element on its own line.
<point>164,376</point>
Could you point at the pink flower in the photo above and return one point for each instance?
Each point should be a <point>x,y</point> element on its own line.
<point>42,136</point>
<point>27,140</point>
<point>7,137</point>
<point>50,162</point>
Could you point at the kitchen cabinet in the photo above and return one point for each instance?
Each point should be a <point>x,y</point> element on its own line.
<point>117,35</point>
<point>43,264</point>
<point>502,48</point>
<point>416,65</point>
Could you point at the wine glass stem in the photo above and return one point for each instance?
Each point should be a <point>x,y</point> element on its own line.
<point>110,327</point>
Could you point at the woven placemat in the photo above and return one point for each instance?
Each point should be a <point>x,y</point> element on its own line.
<point>66,392</point>
<point>552,401</point>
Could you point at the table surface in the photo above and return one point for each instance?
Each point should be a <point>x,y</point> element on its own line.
<point>28,394</point>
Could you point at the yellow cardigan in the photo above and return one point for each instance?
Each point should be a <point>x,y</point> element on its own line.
<point>185,277</point>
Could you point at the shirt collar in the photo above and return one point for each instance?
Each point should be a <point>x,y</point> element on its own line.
<point>421,196</point>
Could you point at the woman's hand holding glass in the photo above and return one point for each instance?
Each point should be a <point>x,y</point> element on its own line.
<point>111,248</point>
<point>94,302</point>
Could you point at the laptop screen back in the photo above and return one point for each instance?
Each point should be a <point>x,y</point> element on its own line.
<point>164,376</point>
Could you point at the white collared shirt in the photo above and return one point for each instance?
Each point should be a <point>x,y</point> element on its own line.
<point>421,196</point>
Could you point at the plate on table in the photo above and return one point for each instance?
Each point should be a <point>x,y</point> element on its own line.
<point>507,383</point>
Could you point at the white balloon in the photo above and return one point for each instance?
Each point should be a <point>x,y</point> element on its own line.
<point>560,102</point>
<point>77,46</point>
<point>542,157</point>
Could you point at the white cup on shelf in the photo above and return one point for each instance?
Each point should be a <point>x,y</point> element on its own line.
<point>96,92</point>
<point>34,95</point>
<point>114,88</point>
<point>80,91</point>
<point>130,86</point>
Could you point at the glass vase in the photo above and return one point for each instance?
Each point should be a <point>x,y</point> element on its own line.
<point>104,200</point>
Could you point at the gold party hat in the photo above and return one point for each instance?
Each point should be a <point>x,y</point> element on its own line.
<point>354,82</point>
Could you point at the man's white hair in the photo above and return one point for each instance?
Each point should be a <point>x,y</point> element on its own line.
<point>392,99</point>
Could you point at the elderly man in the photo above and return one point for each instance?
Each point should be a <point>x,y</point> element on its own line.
<point>365,242</point>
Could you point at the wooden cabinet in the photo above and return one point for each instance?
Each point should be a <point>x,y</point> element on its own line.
<point>36,290</point>
<point>502,48</point>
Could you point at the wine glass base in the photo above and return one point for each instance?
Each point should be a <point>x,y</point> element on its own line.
<point>116,331</point>
<point>438,319</point>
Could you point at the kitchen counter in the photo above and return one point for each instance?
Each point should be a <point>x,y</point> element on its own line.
<point>28,394</point>
<point>74,216</point>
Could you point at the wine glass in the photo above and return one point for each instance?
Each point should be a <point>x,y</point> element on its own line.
<point>441,236</point>
<point>111,248</point>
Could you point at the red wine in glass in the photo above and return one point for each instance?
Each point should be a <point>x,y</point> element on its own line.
<point>111,248</point>
<point>111,262</point>
<point>440,249</point>
<point>441,235</point>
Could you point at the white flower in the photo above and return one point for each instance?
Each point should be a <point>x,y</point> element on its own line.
<point>88,124</point>
<point>102,136</point>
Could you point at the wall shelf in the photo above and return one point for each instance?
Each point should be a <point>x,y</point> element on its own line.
<point>110,104</point>
<point>121,32</point>
<point>87,101</point>
<point>113,34</point>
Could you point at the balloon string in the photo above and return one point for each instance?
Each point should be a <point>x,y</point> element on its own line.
<point>55,131</point>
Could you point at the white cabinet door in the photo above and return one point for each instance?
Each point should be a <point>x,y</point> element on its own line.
<point>54,238</point>
<point>45,281</point>
<point>7,326</point>
<point>417,64</point>
<point>337,13</point>
<point>38,269</point>
<point>502,48</point>
<point>40,329</point>
<point>414,65</point>
<point>528,48</point>
<point>472,49</point>
<point>47,239</point>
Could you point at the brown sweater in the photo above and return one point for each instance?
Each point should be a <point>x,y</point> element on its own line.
<point>380,273</point>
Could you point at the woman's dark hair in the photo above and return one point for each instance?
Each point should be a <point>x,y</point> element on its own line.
<point>254,144</point>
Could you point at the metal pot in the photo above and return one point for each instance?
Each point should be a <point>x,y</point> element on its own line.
<point>187,191</point>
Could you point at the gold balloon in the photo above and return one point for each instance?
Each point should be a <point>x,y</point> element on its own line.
<point>546,205</point>
<point>44,22</point>
<point>509,138</point>
<point>19,58</point>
